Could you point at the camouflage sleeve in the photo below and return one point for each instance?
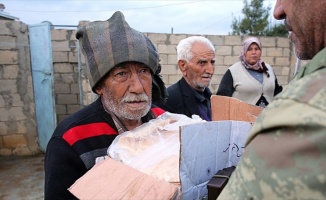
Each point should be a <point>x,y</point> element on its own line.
<point>287,163</point>
<point>285,155</point>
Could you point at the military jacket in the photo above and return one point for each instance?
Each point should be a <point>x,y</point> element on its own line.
<point>285,154</point>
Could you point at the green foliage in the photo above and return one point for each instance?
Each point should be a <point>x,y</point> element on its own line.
<point>255,21</point>
<point>277,30</point>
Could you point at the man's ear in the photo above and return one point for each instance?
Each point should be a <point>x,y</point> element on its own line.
<point>182,66</point>
<point>99,90</point>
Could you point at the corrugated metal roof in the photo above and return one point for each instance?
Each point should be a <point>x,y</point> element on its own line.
<point>6,15</point>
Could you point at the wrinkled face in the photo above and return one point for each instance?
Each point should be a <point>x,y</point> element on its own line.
<point>127,90</point>
<point>253,54</point>
<point>305,21</point>
<point>199,70</point>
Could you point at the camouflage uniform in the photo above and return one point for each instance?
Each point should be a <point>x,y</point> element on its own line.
<point>285,155</point>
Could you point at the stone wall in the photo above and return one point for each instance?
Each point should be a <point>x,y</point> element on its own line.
<point>18,127</point>
<point>18,132</point>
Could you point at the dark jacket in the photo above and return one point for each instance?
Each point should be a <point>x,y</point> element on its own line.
<point>182,99</point>
<point>76,142</point>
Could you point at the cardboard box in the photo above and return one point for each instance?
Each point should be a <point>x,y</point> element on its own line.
<point>229,108</point>
<point>111,179</point>
<point>205,148</point>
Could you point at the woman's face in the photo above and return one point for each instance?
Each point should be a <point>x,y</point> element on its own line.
<point>253,54</point>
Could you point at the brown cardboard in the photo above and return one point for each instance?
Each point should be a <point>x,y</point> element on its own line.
<point>128,183</point>
<point>229,108</point>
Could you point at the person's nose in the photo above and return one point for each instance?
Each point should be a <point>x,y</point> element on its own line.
<point>210,68</point>
<point>279,13</point>
<point>135,84</point>
<point>254,51</point>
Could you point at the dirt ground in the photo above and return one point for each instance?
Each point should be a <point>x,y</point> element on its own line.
<point>21,177</point>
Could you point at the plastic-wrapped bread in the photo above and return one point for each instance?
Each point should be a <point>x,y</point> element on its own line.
<point>154,147</point>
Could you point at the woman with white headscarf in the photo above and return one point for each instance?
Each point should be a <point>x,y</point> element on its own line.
<point>250,80</point>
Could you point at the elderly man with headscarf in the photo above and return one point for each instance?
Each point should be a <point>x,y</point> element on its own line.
<point>123,70</point>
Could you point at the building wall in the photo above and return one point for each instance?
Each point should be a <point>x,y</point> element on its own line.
<point>18,126</point>
<point>18,133</point>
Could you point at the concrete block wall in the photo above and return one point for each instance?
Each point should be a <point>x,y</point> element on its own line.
<point>18,132</point>
<point>18,126</point>
<point>66,72</point>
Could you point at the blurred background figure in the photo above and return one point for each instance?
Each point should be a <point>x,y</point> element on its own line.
<point>251,79</point>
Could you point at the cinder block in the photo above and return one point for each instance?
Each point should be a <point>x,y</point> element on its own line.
<point>286,52</point>
<point>18,127</point>
<point>5,29</point>
<point>9,57</point>
<point>282,61</point>
<point>173,79</point>
<point>14,141</point>
<point>61,117</point>
<point>283,42</point>
<point>22,151</point>
<point>166,49</point>
<point>223,50</point>
<point>73,57</point>
<point>74,88</point>
<point>2,101</point>
<point>157,38</point>
<point>283,80</point>
<point>16,113</point>
<point>236,50</point>
<point>277,70</point>
<point>61,88</point>
<point>176,38</point>
<point>58,34</point>
<point>8,42</point>
<point>62,68</point>
<point>269,60</point>
<point>8,86</point>
<point>163,59</point>
<point>220,70</point>
<point>61,109</point>
<point>5,152</point>
<point>3,131</point>
<point>275,52</point>
<point>217,40</point>
<point>16,100</point>
<point>219,60</point>
<point>60,46</point>
<point>285,71</point>
<point>69,78</point>
<point>10,71</point>
<point>170,69</point>
<point>67,99</point>
<point>230,60</point>
<point>172,59</point>
<point>215,80</point>
<point>213,88</point>
<point>72,35</point>
<point>72,108</point>
<point>268,42</point>
<point>60,57</point>
<point>232,40</point>
<point>165,79</point>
